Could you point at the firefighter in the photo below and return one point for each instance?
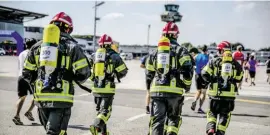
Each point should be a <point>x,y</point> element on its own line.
<point>222,73</point>
<point>170,69</point>
<point>108,65</point>
<point>58,61</point>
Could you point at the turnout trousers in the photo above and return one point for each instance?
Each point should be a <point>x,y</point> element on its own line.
<point>104,110</point>
<point>220,109</point>
<point>54,120</point>
<point>165,118</point>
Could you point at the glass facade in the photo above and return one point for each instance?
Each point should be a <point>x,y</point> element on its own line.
<point>33,29</point>
<point>262,56</point>
<point>11,26</point>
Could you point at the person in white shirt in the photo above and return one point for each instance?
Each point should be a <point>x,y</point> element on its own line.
<point>211,55</point>
<point>23,87</point>
<point>267,63</point>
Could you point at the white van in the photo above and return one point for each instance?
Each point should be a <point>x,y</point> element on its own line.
<point>126,56</point>
<point>2,52</point>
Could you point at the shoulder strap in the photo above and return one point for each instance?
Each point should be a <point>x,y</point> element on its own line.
<point>216,63</point>
<point>108,61</point>
<point>177,53</point>
<point>154,62</point>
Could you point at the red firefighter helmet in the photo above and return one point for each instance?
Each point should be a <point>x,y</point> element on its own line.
<point>63,21</point>
<point>224,46</point>
<point>105,40</point>
<point>171,29</point>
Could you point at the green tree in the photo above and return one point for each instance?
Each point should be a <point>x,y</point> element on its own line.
<point>7,42</point>
<point>248,49</point>
<point>82,36</point>
<point>214,44</point>
<point>234,46</point>
<point>265,49</point>
<point>199,47</point>
<point>188,45</point>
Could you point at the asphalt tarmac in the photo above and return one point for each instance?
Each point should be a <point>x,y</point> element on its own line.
<point>250,117</point>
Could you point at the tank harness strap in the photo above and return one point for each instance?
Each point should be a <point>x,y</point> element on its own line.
<point>219,76</point>
<point>218,66</point>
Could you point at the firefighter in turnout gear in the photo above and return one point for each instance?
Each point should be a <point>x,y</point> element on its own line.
<point>170,71</point>
<point>222,73</point>
<point>108,65</point>
<point>58,61</point>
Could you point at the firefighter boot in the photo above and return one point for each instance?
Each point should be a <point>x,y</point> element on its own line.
<point>211,132</point>
<point>94,130</point>
<point>106,133</point>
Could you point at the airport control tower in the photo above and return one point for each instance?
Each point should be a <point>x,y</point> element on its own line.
<point>171,13</point>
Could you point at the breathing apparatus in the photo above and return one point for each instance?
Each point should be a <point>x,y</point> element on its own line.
<point>49,51</point>
<point>163,57</point>
<point>226,67</point>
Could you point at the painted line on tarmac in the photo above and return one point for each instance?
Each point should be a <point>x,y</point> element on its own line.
<point>253,101</point>
<point>143,114</point>
<point>188,98</point>
<point>8,75</point>
<point>136,117</point>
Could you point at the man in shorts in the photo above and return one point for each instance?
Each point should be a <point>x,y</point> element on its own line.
<point>239,57</point>
<point>147,97</point>
<point>200,60</point>
<point>23,87</point>
<point>268,69</point>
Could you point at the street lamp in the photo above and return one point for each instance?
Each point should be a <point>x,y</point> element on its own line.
<point>148,36</point>
<point>96,19</point>
<point>148,32</point>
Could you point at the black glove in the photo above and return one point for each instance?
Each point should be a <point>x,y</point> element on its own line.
<point>187,89</point>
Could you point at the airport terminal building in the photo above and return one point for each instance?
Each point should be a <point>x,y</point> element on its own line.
<point>12,28</point>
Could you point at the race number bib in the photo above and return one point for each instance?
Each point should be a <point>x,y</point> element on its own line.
<point>226,68</point>
<point>48,53</point>
<point>100,56</point>
<point>163,58</point>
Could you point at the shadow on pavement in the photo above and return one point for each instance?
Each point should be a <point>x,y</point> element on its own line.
<point>250,115</point>
<point>81,127</point>
<point>33,124</point>
<point>194,116</point>
<point>234,114</point>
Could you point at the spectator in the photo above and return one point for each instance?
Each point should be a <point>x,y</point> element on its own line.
<point>23,87</point>
<point>246,67</point>
<point>252,69</point>
<point>211,55</point>
<point>200,60</point>
<point>267,63</point>
<point>147,97</point>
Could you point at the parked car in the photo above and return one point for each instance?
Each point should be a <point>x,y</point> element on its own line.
<point>261,64</point>
<point>2,52</point>
<point>126,56</point>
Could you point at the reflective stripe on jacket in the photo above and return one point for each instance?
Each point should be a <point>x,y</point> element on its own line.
<point>211,74</point>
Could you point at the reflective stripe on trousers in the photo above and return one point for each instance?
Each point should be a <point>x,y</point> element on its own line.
<point>168,109</point>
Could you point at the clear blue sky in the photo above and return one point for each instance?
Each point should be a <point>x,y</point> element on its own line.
<point>126,21</point>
